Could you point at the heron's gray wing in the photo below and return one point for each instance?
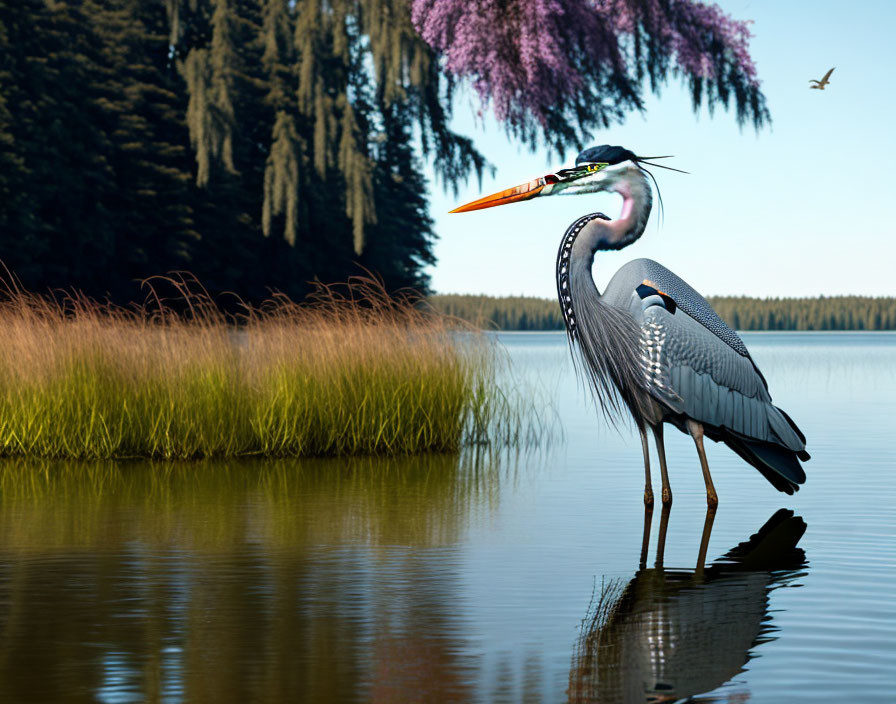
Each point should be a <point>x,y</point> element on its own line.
<point>691,303</point>
<point>828,75</point>
<point>693,372</point>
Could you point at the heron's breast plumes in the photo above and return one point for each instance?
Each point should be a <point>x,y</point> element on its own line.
<point>604,339</point>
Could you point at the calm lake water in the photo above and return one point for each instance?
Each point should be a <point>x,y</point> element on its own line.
<point>493,577</point>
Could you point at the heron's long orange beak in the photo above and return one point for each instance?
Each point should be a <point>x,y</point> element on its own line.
<point>511,195</point>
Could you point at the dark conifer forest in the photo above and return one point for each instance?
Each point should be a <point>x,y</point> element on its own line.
<point>256,144</point>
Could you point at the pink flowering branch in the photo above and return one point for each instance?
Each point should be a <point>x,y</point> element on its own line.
<point>559,67</point>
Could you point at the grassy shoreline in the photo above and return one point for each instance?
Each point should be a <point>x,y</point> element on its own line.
<point>348,374</point>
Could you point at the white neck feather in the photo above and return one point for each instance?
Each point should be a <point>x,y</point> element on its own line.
<point>637,201</point>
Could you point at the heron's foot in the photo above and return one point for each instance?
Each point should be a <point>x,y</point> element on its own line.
<point>648,499</point>
<point>712,499</point>
<point>667,497</point>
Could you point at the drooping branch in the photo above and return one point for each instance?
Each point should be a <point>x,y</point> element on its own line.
<point>557,69</point>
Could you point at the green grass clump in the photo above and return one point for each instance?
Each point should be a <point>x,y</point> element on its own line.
<point>355,374</point>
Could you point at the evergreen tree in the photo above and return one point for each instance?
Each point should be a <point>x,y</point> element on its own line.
<point>151,214</point>
<point>399,244</point>
<point>65,104</point>
<point>740,312</point>
<point>16,215</point>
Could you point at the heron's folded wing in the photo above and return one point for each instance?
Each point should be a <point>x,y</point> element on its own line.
<point>692,303</point>
<point>694,373</point>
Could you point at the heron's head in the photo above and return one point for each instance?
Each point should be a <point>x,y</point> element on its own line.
<point>601,168</point>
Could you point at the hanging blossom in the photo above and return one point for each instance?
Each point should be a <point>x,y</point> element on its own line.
<point>550,62</point>
<point>697,32</point>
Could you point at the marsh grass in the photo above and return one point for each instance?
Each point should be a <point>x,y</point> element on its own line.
<point>352,372</point>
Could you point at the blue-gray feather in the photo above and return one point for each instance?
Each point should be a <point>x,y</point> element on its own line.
<point>685,297</point>
<point>607,154</point>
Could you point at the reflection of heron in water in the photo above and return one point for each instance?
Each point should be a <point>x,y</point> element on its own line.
<point>673,634</point>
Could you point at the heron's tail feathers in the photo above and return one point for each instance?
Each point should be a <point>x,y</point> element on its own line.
<point>777,464</point>
<point>788,432</point>
<point>778,453</point>
<point>802,454</point>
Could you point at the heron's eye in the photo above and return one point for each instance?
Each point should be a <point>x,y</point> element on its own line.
<point>550,178</point>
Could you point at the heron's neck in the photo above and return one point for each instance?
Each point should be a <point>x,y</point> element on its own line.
<point>594,232</point>
<point>574,260</point>
<point>590,234</point>
<point>637,201</point>
<point>606,336</point>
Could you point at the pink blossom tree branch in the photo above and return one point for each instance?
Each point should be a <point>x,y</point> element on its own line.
<point>557,69</point>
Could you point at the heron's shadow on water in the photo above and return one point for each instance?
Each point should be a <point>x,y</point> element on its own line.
<point>668,634</point>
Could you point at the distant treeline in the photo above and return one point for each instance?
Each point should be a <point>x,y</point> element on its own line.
<point>740,312</point>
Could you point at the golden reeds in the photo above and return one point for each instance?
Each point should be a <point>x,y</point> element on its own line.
<point>354,372</point>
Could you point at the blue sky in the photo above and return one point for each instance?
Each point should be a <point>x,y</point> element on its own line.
<point>802,208</point>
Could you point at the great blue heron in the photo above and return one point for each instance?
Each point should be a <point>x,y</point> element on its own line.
<point>653,343</point>
<point>819,85</point>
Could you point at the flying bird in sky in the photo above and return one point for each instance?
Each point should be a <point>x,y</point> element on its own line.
<point>823,82</point>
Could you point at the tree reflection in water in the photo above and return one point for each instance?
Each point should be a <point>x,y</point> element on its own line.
<point>316,581</point>
<point>672,634</point>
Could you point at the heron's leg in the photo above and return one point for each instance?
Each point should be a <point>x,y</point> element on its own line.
<point>645,541</point>
<point>704,540</point>
<point>696,431</point>
<point>648,489</point>
<point>661,451</point>
<point>661,539</point>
